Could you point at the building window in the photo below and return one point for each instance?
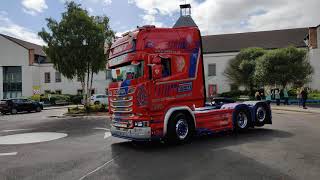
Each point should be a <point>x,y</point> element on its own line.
<point>58,77</point>
<point>80,92</point>
<point>58,92</point>
<point>211,69</point>
<point>12,82</point>
<point>47,77</point>
<point>108,74</point>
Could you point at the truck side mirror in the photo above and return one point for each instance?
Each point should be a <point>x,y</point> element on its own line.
<point>156,71</point>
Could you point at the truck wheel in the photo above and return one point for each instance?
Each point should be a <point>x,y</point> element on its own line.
<point>180,128</point>
<point>14,111</point>
<point>261,115</point>
<point>242,119</point>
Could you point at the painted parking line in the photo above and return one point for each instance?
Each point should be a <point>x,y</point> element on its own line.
<point>100,128</point>
<point>15,130</point>
<point>106,135</point>
<point>98,168</point>
<point>9,154</point>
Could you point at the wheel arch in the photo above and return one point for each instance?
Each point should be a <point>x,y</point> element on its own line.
<point>173,110</point>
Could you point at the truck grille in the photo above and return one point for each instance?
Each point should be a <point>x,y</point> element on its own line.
<point>121,104</point>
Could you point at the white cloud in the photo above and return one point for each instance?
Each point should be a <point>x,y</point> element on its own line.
<point>33,7</point>
<point>156,7</point>
<point>11,29</point>
<point>221,16</point>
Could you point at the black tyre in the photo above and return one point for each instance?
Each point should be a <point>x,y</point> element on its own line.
<point>3,112</point>
<point>14,111</point>
<point>180,128</point>
<point>261,115</point>
<point>242,119</point>
<point>38,109</point>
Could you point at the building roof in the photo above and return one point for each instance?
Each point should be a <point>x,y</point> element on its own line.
<point>38,50</point>
<point>264,39</point>
<point>185,21</point>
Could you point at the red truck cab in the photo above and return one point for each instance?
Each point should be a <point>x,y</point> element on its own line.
<point>158,89</point>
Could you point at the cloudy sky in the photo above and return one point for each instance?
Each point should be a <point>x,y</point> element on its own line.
<point>24,18</point>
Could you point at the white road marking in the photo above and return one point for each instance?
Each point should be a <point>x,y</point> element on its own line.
<point>98,168</point>
<point>106,135</point>
<point>100,128</point>
<point>14,130</point>
<point>9,154</point>
<point>26,138</point>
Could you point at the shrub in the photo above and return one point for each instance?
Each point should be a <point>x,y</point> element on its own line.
<point>76,99</point>
<point>55,98</point>
<point>314,95</point>
<point>234,94</point>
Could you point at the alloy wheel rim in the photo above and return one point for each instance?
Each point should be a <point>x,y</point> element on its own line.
<point>242,120</point>
<point>261,114</point>
<point>182,129</point>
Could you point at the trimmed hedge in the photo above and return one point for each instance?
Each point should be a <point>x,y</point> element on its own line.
<point>234,94</point>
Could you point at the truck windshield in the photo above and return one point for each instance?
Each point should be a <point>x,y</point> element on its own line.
<point>127,72</point>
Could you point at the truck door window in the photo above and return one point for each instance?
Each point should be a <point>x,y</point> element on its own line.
<point>166,67</point>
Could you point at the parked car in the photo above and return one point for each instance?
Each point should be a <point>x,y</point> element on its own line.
<point>14,106</point>
<point>99,99</point>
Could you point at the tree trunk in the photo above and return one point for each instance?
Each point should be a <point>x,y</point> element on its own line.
<point>83,86</point>
<point>91,79</point>
<point>88,91</point>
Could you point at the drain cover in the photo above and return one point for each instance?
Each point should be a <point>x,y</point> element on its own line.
<point>27,138</point>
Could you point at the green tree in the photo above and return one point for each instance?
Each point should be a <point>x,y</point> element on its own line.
<point>283,66</point>
<point>75,45</point>
<point>240,69</point>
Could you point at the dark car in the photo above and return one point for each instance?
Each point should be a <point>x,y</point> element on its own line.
<point>14,106</point>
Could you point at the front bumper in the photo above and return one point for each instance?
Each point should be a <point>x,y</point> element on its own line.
<point>136,133</point>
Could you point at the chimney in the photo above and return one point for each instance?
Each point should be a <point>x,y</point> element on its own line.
<point>313,44</point>
<point>185,19</point>
<point>185,10</point>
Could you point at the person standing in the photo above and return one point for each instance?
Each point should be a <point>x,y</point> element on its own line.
<point>285,96</point>
<point>268,96</point>
<point>277,96</point>
<point>257,96</point>
<point>299,96</point>
<point>304,97</point>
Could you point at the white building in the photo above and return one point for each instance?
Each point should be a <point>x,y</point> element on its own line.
<point>313,41</point>
<point>219,49</point>
<point>25,71</point>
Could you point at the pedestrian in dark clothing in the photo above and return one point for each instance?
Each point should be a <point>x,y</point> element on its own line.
<point>277,96</point>
<point>304,97</point>
<point>257,95</point>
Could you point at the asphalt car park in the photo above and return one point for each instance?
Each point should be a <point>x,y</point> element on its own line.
<point>287,149</point>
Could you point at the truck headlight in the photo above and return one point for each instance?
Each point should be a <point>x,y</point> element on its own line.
<point>141,123</point>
